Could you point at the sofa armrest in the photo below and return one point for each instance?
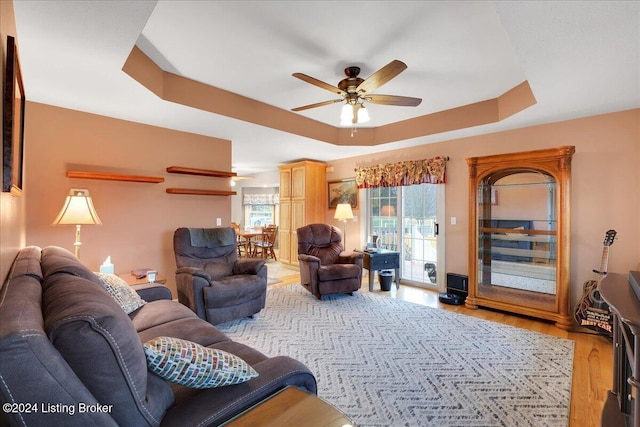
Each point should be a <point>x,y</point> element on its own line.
<point>153,291</point>
<point>217,405</point>
<point>194,272</point>
<point>350,257</point>
<point>248,266</point>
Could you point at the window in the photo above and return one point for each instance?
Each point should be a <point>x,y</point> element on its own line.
<point>259,215</point>
<point>260,209</point>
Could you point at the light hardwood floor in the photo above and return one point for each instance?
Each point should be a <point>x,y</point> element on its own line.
<point>593,357</point>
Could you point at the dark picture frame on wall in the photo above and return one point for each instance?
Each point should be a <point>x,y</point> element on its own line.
<point>345,191</point>
<point>13,123</point>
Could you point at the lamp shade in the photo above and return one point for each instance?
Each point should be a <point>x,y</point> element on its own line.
<point>388,210</point>
<point>346,115</point>
<point>78,209</point>
<point>363,115</point>
<point>343,212</point>
<point>353,113</point>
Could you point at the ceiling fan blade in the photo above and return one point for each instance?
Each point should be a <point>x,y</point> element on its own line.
<point>402,101</point>
<point>382,76</point>
<point>319,83</point>
<point>318,104</point>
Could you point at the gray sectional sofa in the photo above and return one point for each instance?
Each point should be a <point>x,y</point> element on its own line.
<point>69,354</point>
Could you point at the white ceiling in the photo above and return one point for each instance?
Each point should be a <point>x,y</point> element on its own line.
<point>581,58</point>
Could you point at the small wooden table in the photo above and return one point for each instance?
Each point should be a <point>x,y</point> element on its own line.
<point>131,279</point>
<point>291,407</point>
<point>382,260</point>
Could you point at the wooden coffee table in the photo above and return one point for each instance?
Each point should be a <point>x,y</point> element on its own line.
<point>291,407</point>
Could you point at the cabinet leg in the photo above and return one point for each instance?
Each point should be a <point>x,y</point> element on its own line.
<point>470,303</point>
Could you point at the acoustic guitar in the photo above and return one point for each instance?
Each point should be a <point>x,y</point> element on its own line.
<point>592,311</point>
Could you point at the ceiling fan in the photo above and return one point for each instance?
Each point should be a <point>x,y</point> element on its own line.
<point>355,91</point>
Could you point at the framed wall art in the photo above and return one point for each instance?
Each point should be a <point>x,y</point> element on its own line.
<point>13,123</point>
<point>344,191</point>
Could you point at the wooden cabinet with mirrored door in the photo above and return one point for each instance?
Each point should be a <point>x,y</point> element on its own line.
<point>519,233</point>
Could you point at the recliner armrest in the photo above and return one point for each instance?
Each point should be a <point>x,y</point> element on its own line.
<point>308,258</point>
<point>194,272</point>
<point>248,266</point>
<point>352,257</point>
<point>153,292</point>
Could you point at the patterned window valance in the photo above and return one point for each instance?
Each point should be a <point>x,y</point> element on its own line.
<point>261,199</point>
<point>409,172</point>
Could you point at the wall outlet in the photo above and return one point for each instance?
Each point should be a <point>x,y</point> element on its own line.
<point>218,222</point>
<point>453,220</point>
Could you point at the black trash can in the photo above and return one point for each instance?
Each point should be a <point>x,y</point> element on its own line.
<point>385,277</point>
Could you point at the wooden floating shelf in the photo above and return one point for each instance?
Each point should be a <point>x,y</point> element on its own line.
<point>201,172</point>
<point>200,192</point>
<point>114,177</point>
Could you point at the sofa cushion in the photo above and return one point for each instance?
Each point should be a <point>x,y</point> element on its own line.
<point>169,318</point>
<point>159,312</point>
<point>59,260</point>
<point>99,342</point>
<point>27,263</point>
<point>123,294</point>
<point>192,365</point>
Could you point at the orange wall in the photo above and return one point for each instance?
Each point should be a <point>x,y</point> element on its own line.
<point>605,186</point>
<point>138,219</point>
<point>12,209</point>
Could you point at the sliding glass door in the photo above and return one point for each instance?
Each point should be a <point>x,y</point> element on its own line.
<point>406,219</point>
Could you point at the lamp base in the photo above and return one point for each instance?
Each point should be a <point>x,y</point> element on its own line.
<point>77,243</point>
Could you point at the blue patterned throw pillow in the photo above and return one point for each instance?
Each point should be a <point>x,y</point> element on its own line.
<point>125,295</point>
<point>192,365</point>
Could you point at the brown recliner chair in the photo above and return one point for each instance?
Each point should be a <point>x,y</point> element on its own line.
<point>325,268</point>
<point>210,278</point>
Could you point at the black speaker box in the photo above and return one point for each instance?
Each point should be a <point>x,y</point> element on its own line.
<point>458,286</point>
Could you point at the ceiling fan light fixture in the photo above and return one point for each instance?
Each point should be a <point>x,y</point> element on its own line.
<point>355,91</point>
<point>363,114</point>
<point>346,116</point>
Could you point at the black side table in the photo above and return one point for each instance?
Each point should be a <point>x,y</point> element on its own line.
<point>382,260</point>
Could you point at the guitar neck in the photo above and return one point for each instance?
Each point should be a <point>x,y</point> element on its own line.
<point>604,262</point>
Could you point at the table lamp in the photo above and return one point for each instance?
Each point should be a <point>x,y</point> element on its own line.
<point>77,210</point>
<point>343,213</point>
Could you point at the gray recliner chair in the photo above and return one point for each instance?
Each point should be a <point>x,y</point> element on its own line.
<point>325,267</point>
<point>210,278</point>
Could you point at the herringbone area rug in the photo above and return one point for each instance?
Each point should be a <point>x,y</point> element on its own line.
<point>386,362</point>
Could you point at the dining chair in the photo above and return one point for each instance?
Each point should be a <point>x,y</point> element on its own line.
<point>244,245</point>
<point>263,248</point>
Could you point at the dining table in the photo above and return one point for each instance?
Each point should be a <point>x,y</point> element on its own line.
<point>248,236</point>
